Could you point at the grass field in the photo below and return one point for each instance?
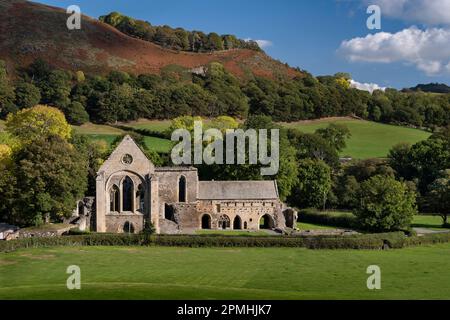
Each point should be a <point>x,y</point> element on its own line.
<point>369,139</point>
<point>109,134</point>
<point>431,222</point>
<point>228,273</point>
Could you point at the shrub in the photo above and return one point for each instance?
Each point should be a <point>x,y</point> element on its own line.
<point>344,220</point>
<point>385,204</point>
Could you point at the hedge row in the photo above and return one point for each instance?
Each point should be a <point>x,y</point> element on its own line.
<point>366,241</point>
<point>344,220</point>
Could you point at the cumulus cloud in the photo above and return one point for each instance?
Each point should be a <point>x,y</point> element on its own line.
<point>371,87</point>
<point>262,43</point>
<point>428,50</point>
<point>421,11</point>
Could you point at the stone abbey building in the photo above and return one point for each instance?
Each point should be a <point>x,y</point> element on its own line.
<point>131,191</point>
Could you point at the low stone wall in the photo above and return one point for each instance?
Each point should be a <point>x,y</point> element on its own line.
<point>24,233</point>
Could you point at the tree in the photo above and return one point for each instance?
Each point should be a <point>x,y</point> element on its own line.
<point>336,134</point>
<point>51,177</point>
<point>438,197</point>
<point>314,184</point>
<point>6,92</point>
<point>27,95</point>
<point>76,114</point>
<point>38,122</point>
<point>385,204</point>
<point>400,161</point>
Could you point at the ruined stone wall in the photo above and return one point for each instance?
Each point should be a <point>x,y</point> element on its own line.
<point>168,181</point>
<point>115,222</point>
<point>189,216</point>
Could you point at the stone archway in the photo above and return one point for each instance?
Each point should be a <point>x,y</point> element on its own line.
<point>206,221</point>
<point>266,222</point>
<point>237,223</point>
<point>224,222</point>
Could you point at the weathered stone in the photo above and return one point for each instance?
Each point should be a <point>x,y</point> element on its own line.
<point>130,191</point>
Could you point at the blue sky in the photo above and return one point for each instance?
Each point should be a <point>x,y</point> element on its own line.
<point>309,34</point>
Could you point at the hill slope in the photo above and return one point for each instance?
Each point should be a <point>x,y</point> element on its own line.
<point>30,30</point>
<point>432,87</point>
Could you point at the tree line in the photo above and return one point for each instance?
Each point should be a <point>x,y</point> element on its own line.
<point>46,168</point>
<point>176,38</point>
<point>120,96</point>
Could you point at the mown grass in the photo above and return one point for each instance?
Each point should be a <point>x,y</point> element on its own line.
<point>430,222</point>
<point>224,273</point>
<point>310,226</point>
<point>369,139</point>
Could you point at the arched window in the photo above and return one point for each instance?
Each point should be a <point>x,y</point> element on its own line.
<point>245,225</point>
<point>206,221</point>
<point>237,223</point>
<point>224,222</point>
<point>128,227</point>
<point>182,189</point>
<point>127,187</point>
<point>140,198</point>
<point>114,196</point>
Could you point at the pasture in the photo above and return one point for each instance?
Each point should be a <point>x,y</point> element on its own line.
<point>224,273</point>
<point>369,139</point>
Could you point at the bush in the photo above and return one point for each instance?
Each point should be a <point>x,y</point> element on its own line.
<point>379,241</point>
<point>344,220</point>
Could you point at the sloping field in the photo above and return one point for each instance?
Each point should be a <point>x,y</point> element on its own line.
<point>369,139</point>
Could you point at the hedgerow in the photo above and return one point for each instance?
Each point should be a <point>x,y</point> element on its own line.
<point>366,241</point>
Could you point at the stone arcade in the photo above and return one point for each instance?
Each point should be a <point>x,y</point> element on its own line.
<point>131,191</point>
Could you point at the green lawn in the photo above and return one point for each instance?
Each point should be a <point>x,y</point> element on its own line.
<point>432,222</point>
<point>369,139</point>
<point>309,226</point>
<point>224,273</point>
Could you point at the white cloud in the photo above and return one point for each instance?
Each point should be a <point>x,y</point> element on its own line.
<point>371,87</point>
<point>421,11</point>
<point>262,43</point>
<point>428,50</point>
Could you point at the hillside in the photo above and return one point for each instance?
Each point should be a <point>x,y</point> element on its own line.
<point>30,30</point>
<point>431,87</point>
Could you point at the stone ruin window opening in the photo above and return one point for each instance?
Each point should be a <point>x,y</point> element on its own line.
<point>182,189</point>
<point>169,212</point>
<point>127,194</point>
<point>128,227</point>
<point>140,198</point>
<point>224,222</point>
<point>114,202</point>
<point>237,223</point>
<point>206,222</point>
<point>266,222</point>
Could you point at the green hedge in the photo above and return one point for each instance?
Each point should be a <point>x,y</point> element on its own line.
<point>365,241</point>
<point>344,220</point>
